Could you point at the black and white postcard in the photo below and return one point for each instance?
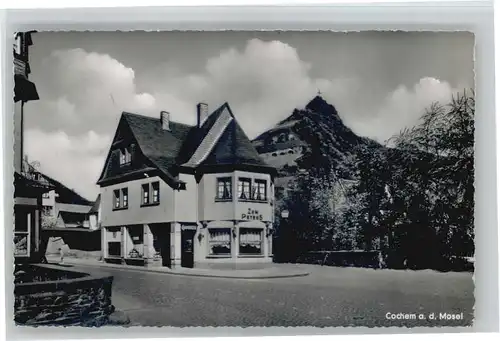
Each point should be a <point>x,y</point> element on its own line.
<point>244,178</point>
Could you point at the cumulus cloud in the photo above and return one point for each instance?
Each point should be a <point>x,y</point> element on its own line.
<point>76,161</point>
<point>69,130</point>
<point>82,90</point>
<point>263,84</point>
<point>403,107</point>
<point>83,93</point>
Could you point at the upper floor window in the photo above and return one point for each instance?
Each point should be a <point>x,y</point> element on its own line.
<point>145,194</point>
<point>252,190</point>
<point>244,188</point>
<point>151,193</point>
<point>124,197</point>
<point>116,198</point>
<point>46,195</point>
<point>156,192</point>
<point>120,198</point>
<point>260,188</point>
<point>125,156</point>
<point>224,188</point>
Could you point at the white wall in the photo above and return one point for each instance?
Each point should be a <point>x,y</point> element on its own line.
<point>135,213</point>
<point>186,201</point>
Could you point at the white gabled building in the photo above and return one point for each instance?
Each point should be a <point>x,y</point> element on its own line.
<point>179,195</point>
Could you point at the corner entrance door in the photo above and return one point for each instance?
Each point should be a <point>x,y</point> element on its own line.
<point>187,254</point>
<point>164,244</point>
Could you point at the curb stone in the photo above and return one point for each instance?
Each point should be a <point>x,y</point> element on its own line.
<point>297,273</point>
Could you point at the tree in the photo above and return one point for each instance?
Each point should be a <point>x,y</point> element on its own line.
<point>414,197</point>
<point>48,220</point>
<point>444,174</point>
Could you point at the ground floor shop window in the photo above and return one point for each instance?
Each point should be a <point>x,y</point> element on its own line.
<point>135,245</point>
<point>21,242</point>
<point>23,222</point>
<point>219,242</point>
<point>114,249</point>
<point>251,241</point>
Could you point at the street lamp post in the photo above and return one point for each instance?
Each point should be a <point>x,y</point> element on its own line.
<point>282,234</point>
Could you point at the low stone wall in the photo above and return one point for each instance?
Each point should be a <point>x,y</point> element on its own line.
<point>81,301</point>
<point>78,254</point>
<point>377,259</point>
<point>362,259</point>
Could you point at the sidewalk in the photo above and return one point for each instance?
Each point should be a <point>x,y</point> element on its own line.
<point>275,271</point>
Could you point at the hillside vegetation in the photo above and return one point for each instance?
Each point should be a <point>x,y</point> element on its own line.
<point>412,200</point>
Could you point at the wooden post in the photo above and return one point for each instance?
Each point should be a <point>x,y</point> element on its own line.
<point>104,249</point>
<point>124,247</point>
<point>175,244</point>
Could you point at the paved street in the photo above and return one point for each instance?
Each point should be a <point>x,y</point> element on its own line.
<point>327,297</point>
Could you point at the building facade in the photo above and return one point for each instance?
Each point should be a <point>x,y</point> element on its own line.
<point>29,245</point>
<point>69,221</point>
<point>280,146</point>
<point>178,195</point>
<point>95,214</point>
<point>63,207</point>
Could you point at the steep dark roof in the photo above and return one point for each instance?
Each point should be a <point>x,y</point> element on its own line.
<point>167,150</point>
<point>196,135</point>
<point>65,194</point>
<point>160,146</point>
<point>234,147</point>
<point>95,207</point>
<point>26,180</point>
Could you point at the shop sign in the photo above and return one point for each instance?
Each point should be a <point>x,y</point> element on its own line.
<point>251,214</point>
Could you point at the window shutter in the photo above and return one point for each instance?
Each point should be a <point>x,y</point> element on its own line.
<point>114,161</point>
<point>133,154</point>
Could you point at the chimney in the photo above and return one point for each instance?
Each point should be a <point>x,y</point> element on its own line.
<point>165,120</point>
<point>202,112</point>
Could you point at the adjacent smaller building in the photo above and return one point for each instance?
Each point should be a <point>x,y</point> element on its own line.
<point>179,195</point>
<point>281,146</point>
<point>95,214</point>
<point>29,246</point>
<point>65,208</point>
<point>68,220</point>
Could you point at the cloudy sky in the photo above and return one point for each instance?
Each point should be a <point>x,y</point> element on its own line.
<point>380,82</point>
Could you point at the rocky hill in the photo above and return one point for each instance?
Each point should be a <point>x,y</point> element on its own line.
<point>311,138</point>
